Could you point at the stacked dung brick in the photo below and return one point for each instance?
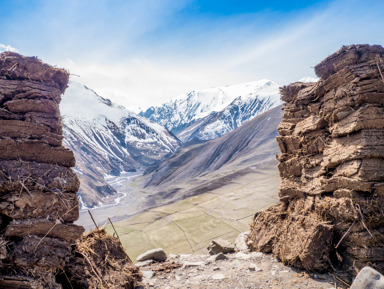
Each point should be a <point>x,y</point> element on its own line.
<point>38,202</point>
<point>332,168</point>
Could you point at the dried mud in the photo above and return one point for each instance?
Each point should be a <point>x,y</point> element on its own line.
<point>331,166</point>
<point>38,202</point>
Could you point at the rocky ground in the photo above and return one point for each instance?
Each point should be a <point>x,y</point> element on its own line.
<point>237,270</point>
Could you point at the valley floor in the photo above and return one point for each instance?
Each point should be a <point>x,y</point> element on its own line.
<point>188,226</point>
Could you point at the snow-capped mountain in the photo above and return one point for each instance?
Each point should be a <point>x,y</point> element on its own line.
<point>107,139</point>
<point>193,170</point>
<point>309,79</point>
<point>211,113</point>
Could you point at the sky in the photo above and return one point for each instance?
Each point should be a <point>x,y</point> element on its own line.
<point>145,52</point>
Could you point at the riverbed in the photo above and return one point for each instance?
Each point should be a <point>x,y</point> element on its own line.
<point>129,200</point>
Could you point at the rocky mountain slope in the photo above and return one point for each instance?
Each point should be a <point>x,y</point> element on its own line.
<point>251,144</point>
<point>108,139</point>
<point>211,113</point>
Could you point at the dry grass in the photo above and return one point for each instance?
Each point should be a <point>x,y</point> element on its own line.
<point>100,261</point>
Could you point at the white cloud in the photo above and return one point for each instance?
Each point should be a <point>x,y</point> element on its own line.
<point>146,52</point>
<point>70,61</point>
<point>213,58</point>
<point>4,47</point>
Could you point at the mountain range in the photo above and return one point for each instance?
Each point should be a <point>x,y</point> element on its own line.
<point>108,139</point>
<point>202,167</point>
<point>211,113</point>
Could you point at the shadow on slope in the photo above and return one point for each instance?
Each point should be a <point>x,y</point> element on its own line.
<point>203,167</point>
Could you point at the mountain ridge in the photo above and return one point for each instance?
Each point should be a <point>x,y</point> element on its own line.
<point>211,113</point>
<point>107,140</point>
<point>251,144</point>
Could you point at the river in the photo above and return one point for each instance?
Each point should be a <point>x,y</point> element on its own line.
<point>128,201</point>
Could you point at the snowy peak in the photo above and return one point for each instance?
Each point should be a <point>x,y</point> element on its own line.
<point>107,140</point>
<point>309,79</point>
<point>90,115</point>
<point>211,113</point>
<point>81,102</point>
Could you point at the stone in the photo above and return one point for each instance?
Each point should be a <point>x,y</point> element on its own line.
<point>242,256</point>
<point>240,242</point>
<point>184,256</point>
<point>368,278</point>
<point>217,257</point>
<point>188,264</point>
<point>157,254</point>
<point>253,267</point>
<point>144,263</point>
<point>220,246</point>
<point>218,276</point>
<point>148,274</point>
<point>257,254</point>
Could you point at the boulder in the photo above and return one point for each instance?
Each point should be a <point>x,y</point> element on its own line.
<point>188,264</point>
<point>254,267</point>
<point>240,242</point>
<point>157,254</point>
<point>217,257</point>
<point>220,246</point>
<point>368,278</point>
<point>218,276</point>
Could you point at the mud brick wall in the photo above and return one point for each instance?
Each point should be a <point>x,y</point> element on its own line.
<point>331,164</point>
<point>38,202</point>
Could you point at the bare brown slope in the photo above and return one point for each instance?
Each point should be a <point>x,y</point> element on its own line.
<point>243,143</point>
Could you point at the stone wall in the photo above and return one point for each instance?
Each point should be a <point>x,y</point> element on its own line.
<point>332,168</point>
<point>38,202</point>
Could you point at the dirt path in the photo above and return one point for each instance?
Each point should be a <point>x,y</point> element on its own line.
<point>239,270</point>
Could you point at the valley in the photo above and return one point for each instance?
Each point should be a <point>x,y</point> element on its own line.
<point>203,191</point>
<point>162,192</point>
<point>192,144</point>
<point>188,225</point>
<point>110,140</point>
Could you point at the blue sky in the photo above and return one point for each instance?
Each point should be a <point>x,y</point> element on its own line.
<point>143,52</point>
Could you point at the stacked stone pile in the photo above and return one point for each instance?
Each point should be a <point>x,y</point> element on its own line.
<point>332,168</point>
<point>38,202</point>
